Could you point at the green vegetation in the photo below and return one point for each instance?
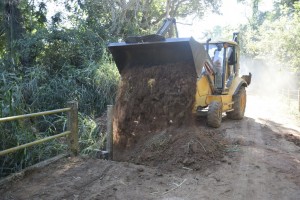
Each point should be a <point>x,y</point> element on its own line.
<point>274,35</point>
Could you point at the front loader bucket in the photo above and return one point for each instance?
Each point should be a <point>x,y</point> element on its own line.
<point>172,50</point>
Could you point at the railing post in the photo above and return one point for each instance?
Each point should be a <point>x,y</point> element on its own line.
<point>72,125</point>
<point>109,134</point>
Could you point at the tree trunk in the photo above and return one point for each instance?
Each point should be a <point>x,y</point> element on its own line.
<point>13,23</point>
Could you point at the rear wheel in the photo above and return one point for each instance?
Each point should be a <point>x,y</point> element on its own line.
<point>239,105</point>
<point>214,115</point>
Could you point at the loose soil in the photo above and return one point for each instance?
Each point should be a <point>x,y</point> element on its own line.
<point>153,120</point>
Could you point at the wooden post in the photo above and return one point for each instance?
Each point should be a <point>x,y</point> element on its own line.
<point>72,125</point>
<point>109,132</point>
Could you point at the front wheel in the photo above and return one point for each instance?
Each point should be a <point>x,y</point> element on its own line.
<point>239,105</point>
<point>214,115</point>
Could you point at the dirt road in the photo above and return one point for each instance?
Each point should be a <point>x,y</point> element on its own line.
<point>262,162</point>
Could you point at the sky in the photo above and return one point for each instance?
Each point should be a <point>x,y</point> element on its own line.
<point>233,13</point>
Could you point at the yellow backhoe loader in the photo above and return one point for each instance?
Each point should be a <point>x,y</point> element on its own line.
<point>218,89</point>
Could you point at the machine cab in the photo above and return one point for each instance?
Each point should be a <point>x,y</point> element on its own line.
<point>223,56</point>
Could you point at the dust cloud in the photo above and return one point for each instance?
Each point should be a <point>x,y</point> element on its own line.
<point>272,85</point>
<point>268,79</point>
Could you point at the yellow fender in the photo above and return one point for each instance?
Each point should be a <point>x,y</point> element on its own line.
<point>236,84</point>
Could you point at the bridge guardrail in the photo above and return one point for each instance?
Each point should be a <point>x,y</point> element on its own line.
<point>72,128</point>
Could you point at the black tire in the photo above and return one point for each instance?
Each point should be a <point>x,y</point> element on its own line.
<point>214,115</point>
<point>239,105</point>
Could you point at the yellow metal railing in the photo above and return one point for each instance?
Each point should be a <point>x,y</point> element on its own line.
<point>72,128</point>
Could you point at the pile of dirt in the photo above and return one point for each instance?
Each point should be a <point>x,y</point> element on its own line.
<point>188,147</point>
<point>153,120</point>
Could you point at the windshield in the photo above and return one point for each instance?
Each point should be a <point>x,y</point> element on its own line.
<point>216,53</point>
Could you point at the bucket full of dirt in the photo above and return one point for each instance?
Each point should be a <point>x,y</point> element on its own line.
<point>153,120</point>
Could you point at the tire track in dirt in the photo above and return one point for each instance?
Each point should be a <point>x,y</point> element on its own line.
<point>251,180</point>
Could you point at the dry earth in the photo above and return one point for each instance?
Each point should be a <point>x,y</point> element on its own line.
<point>261,162</point>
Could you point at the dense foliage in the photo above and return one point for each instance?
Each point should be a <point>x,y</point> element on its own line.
<point>274,35</point>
